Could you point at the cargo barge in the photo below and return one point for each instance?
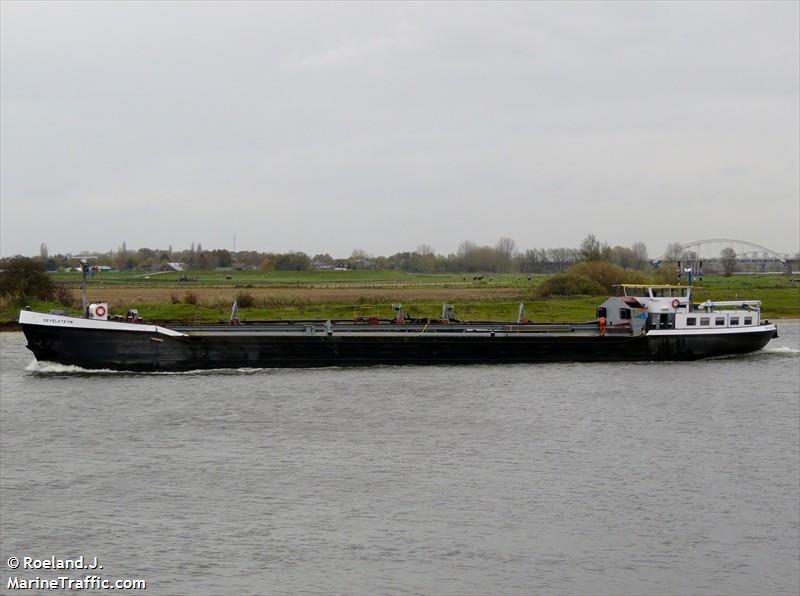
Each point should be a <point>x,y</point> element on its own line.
<point>644,323</point>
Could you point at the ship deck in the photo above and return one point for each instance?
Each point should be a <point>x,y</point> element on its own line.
<point>350,329</point>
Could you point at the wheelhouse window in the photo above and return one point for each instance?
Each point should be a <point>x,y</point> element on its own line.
<point>734,320</point>
<point>705,321</point>
<point>719,321</point>
<point>670,292</point>
<point>691,321</point>
<point>624,313</point>
<point>748,320</point>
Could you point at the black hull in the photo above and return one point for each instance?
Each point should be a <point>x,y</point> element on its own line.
<point>138,351</point>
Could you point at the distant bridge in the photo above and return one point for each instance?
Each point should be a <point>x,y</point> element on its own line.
<point>710,249</point>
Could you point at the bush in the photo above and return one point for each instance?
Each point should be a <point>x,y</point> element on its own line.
<point>667,273</point>
<point>607,274</point>
<point>604,273</point>
<point>570,284</point>
<point>245,300</point>
<point>22,278</point>
<point>190,298</point>
<point>64,296</point>
<point>634,276</point>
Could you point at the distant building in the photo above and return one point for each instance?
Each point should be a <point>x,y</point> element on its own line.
<point>173,267</point>
<point>320,266</point>
<point>158,267</point>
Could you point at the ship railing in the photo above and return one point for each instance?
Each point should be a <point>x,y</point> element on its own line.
<point>710,305</point>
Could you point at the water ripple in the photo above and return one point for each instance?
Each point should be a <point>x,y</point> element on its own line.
<point>657,478</point>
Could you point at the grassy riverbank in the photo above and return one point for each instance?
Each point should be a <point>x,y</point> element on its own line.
<point>207,296</point>
<point>565,309</point>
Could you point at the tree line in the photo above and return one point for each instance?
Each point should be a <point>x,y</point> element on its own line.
<point>470,257</point>
<point>592,268</point>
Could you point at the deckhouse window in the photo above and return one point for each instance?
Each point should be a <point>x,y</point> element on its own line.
<point>705,321</point>
<point>624,313</point>
<point>734,320</point>
<point>719,321</point>
<point>748,320</point>
<point>691,321</point>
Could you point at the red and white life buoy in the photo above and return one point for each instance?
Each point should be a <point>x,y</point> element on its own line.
<point>675,303</point>
<point>100,311</point>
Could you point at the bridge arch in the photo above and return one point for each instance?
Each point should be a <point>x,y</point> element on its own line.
<point>697,245</point>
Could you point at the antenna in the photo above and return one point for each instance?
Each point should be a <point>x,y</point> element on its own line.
<point>84,283</point>
<point>84,295</point>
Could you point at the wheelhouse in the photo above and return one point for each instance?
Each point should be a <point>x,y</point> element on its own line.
<point>671,307</point>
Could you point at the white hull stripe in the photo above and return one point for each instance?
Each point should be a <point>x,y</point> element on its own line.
<point>28,317</point>
<point>712,331</point>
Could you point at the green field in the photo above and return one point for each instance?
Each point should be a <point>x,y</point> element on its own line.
<point>780,295</point>
<point>564,309</point>
<point>298,278</point>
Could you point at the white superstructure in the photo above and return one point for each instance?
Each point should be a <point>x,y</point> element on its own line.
<point>670,307</point>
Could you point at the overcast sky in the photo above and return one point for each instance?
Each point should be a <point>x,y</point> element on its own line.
<point>378,126</point>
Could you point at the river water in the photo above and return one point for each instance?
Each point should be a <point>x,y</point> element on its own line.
<point>659,478</point>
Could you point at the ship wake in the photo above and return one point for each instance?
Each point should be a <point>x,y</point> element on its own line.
<point>781,350</point>
<point>54,368</point>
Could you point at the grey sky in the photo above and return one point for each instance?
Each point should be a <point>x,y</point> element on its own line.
<point>328,127</point>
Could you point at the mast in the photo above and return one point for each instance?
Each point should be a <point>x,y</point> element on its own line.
<point>85,269</point>
<point>84,292</point>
